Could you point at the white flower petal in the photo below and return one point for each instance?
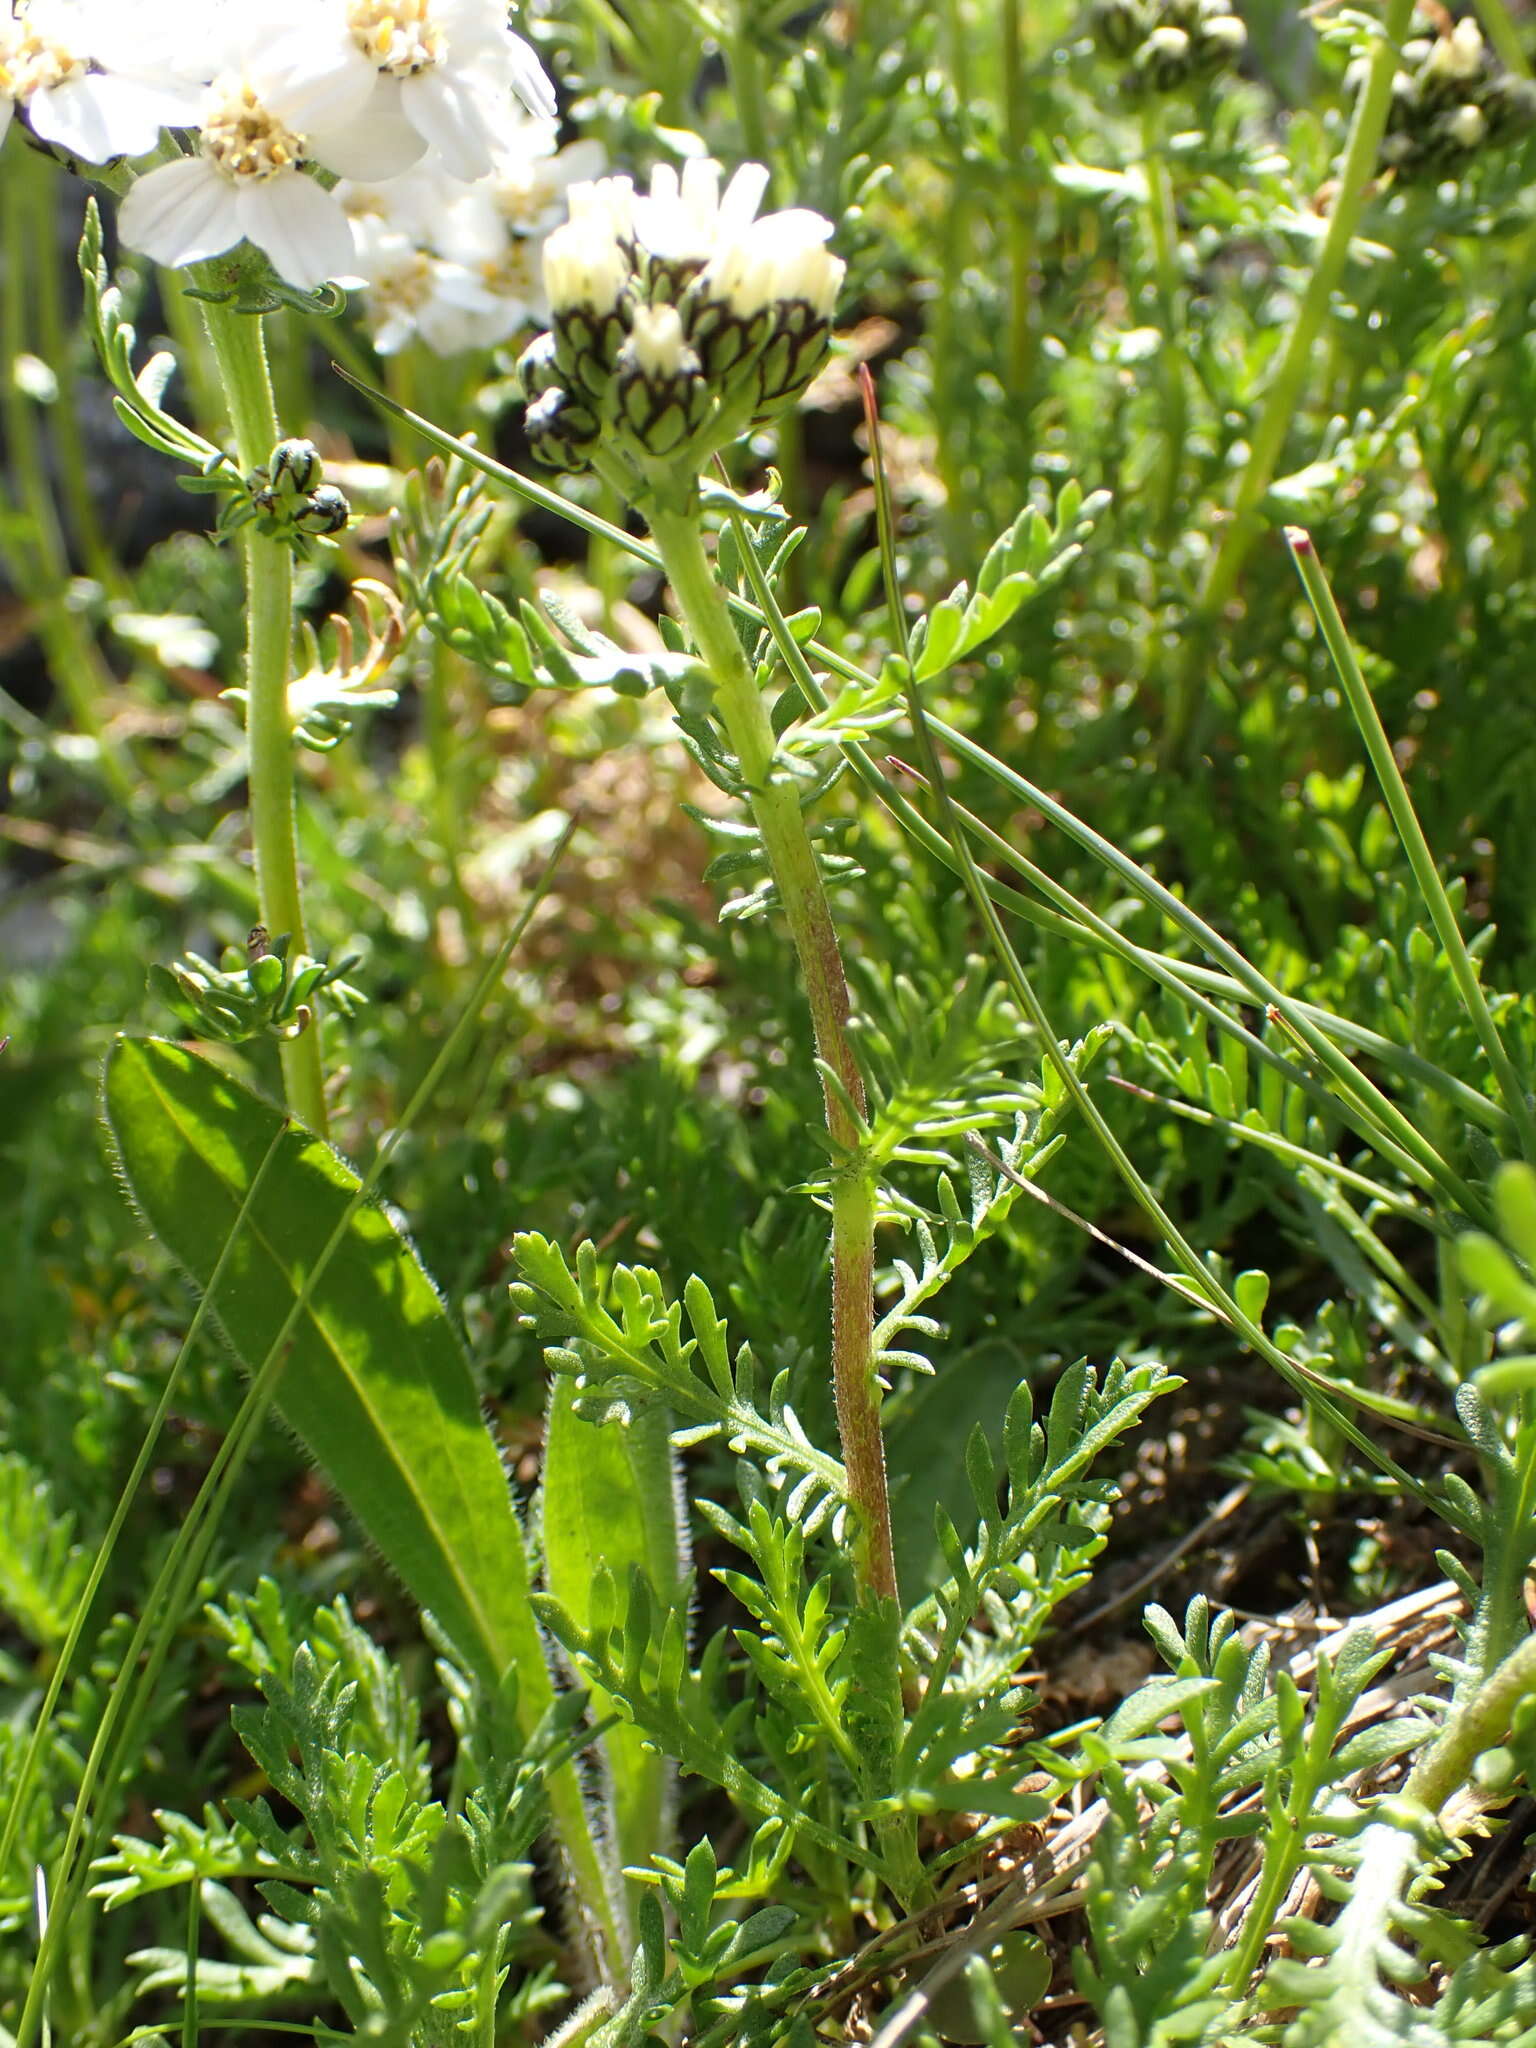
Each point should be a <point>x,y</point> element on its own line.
<point>312,76</point>
<point>379,143</point>
<point>180,213</point>
<point>98,117</point>
<point>794,226</point>
<point>152,39</point>
<point>743,196</point>
<point>7,109</point>
<point>300,226</point>
<point>448,112</point>
<point>530,81</point>
<point>583,159</point>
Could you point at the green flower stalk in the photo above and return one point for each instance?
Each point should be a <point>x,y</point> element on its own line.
<point>681,320</point>
<point>240,352</point>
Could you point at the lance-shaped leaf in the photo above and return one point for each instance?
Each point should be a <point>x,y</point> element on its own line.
<point>376,1382</point>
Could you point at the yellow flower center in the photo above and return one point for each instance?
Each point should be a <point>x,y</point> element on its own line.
<point>406,286</point>
<point>398,36</point>
<point>30,62</point>
<point>246,139</point>
<point>513,275</point>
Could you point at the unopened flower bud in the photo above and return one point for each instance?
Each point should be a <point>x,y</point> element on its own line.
<point>1218,43</point>
<point>327,511</point>
<point>561,432</point>
<point>1164,59</point>
<point>656,345</point>
<point>294,466</point>
<point>793,354</point>
<point>781,260</point>
<point>663,395</point>
<point>1458,57</point>
<point>587,279</point>
<point>1463,126</point>
<point>1118,26</point>
<point>1405,98</point>
<point>538,369</point>
<point>584,267</point>
<point>674,311</point>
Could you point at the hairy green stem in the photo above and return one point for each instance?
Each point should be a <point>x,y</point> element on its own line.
<point>776,809</point>
<point>1313,1386</point>
<point>240,352</point>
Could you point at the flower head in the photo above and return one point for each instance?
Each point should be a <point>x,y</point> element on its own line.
<point>81,83</point>
<point>260,121</point>
<point>365,89</point>
<point>426,76</point>
<point>680,315</point>
<point>460,266</point>
<point>585,268</point>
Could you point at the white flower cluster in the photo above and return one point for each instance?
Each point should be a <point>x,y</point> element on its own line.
<point>680,315</point>
<point>258,95</point>
<point>461,265</point>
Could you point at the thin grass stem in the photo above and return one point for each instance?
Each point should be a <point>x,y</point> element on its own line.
<point>1410,832</point>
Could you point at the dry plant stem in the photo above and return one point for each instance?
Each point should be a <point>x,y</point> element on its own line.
<point>776,809</point>
<point>240,353</point>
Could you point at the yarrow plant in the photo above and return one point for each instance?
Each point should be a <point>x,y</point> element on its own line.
<point>683,317</point>
<point>850,1684</point>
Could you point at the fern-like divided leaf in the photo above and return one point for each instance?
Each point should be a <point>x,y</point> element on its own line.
<point>1217,1750</point>
<point>42,1569</point>
<point>379,1897</point>
<point>1033,553</point>
<point>971,1639</point>
<point>622,1343</point>
<point>944,1085</point>
<point>761,1752</point>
